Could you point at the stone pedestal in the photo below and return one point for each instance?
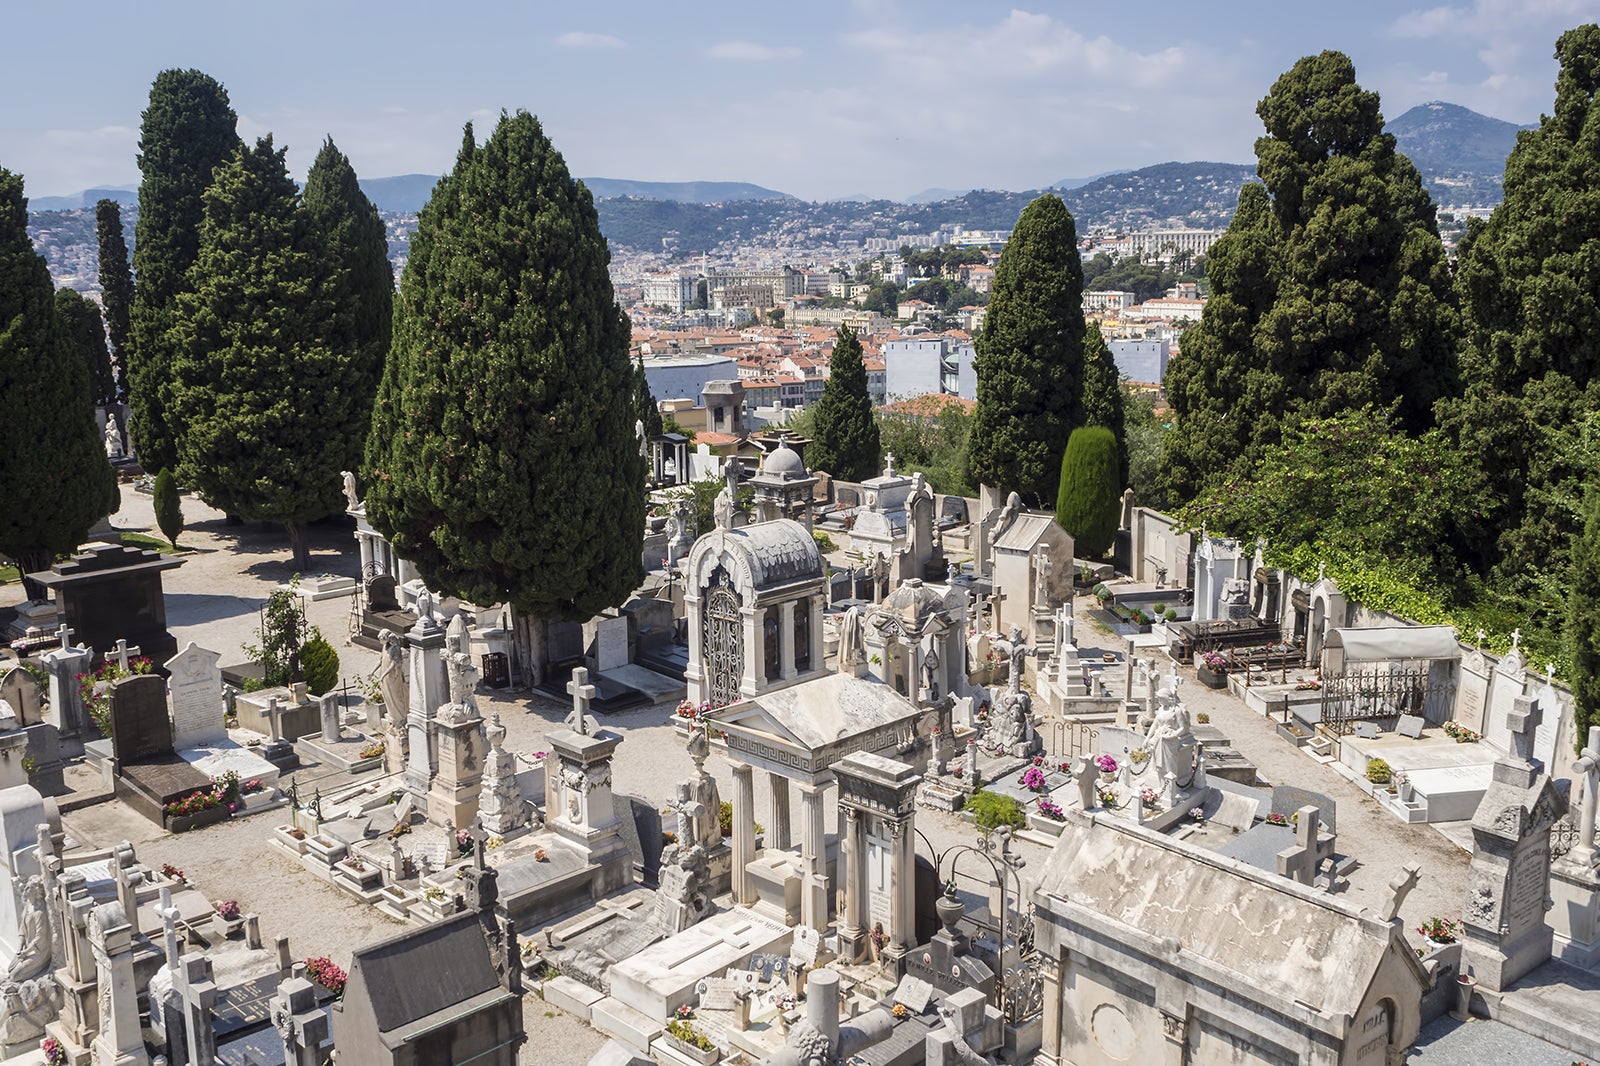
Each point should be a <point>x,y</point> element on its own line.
<point>500,802</point>
<point>1575,916</point>
<point>66,698</point>
<point>458,778</point>
<point>120,1042</point>
<point>578,802</point>
<point>429,690</point>
<point>878,860</point>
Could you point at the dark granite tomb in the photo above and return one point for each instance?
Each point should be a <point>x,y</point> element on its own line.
<point>110,592</point>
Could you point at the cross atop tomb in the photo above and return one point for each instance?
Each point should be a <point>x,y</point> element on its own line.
<point>888,464</point>
<point>1516,639</point>
<point>1301,862</point>
<point>1550,673</point>
<point>1481,636</point>
<point>480,837</point>
<point>1399,889</point>
<point>169,915</point>
<point>1587,769</point>
<point>274,714</point>
<point>1322,570</point>
<point>1523,722</point>
<point>122,652</point>
<point>582,692</point>
<point>64,634</point>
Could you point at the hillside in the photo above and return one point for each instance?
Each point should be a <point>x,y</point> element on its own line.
<point>1461,154</point>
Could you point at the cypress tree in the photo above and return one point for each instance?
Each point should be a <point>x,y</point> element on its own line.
<point>84,334</point>
<point>356,286</point>
<point>268,403</point>
<point>846,441</point>
<point>116,285</point>
<point>1087,497</point>
<point>1330,290</point>
<point>503,457</point>
<point>649,410</point>
<point>1029,357</point>
<point>1530,292</point>
<point>55,479</point>
<point>1583,620</point>
<point>168,506</point>
<point>188,130</point>
<point>1104,402</point>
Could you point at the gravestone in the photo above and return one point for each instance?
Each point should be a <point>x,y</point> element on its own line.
<point>1287,799</point>
<point>611,643</point>
<point>1367,730</point>
<point>1510,681</point>
<point>21,689</point>
<point>140,726</point>
<point>1410,725</point>
<point>1472,692</point>
<point>716,993</point>
<point>196,697</point>
<point>1549,697</point>
<point>381,593</point>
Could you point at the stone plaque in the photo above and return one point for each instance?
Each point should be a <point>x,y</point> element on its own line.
<point>742,980</point>
<point>770,966</point>
<point>1410,725</point>
<point>1530,884</point>
<point>1286,799</point>
<point>21,689</point>
<point>1544,738</point>
<point>806,942</point>
<point>914,992</point>
<point>1471,697</point>
<point>611,643</point>
<point>431,854</point>
<point>196,697</point>
<point>140,728</point>
<point>716,993</point>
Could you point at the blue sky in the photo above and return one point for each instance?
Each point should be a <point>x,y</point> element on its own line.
<point>828,99</point>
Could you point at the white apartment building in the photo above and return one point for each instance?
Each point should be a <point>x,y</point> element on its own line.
<point>1141,361</point>
<point>1168,307</point>
<point>919,366</point>
<point>1112,300</point>
<point>672,289</point>
<point>1163,242</point>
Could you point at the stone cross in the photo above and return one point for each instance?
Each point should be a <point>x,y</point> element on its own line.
<point>1482,636</point>
<point>1322,570</point>
<point>1516,639</point>
<point>1588,768</point>
<point>122,652</point>
<point>888,464</point>
<point>1088,775</point>
<point>479,837</point>
<point>300,1022</point>
<point>1399,889</point>
<point>169,923</point>
<point>1523,722</point>
<point>274,717</point>
<point>64,634</point>
<point>199,1009</point>
<point>582,692</point>
<point>1300,862</point>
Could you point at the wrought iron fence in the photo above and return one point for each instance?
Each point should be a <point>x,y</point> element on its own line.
<point>1367,695</point>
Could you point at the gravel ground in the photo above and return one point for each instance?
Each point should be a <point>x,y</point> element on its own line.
<point>229,571</point>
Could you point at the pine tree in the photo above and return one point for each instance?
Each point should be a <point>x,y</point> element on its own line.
<point>846,441</point>
<point>1337,295</point>
<point>55,479</point>
<point>84,334</point>
<point>356,286</point>
<point>1583,620</point>
<point>503,460</point>
<point>268,403</point>
<point>188,130</point>
<point>1087,498</point>
<point>116,284</point>
<point>1029,357</point>
<point>1104,402</point>
<point>1529,284</point>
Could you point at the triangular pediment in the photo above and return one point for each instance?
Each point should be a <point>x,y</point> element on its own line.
<point>750,716</point>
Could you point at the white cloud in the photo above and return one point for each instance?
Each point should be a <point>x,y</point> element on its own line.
<point>752,51</point>
<point>589,40</point>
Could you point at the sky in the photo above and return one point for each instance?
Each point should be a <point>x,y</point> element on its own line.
<point>873,97</point>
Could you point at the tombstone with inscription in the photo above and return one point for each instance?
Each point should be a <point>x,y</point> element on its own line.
<point>1508,881</point>
<point>1472,690</point>
<point>684,897</point>
<point>140,725</point>
<point>197,711</point>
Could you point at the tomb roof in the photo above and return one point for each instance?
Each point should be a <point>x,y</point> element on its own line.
<point>1024,532</point>
<point>423,971</point>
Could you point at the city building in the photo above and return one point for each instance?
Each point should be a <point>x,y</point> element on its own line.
<point>1143,361</point>
<point>672,289</point>
<point>930,364</point>
<point>673,376</point>
<point>1108,300</point>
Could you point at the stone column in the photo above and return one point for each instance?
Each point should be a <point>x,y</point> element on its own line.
<point>66,699</point>
<point>883,792</point>
<point>814,858</point>
<point>694,673</point>
<point>364,542</point>
<point>754,654</point>
<point>786,639</point>
<point>852,934</point>
<point>902,886</point>
<point>429,691</point>
<point>744,831</point>
<point>120,1042</point>
<point>778,831</point>
<point>815,634</point>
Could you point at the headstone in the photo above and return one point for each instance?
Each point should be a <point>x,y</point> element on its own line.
<point>22,691</point>
<point>1311,848</point>
<point>716,993</point>
<point>914,992</point>
<point>1287,799</point>
<point>1410,725</point>
<point>328,703</point>
<point>301,1023</point>
<point>140,727</point>
<point>1509,683</point>
<point>66,697</point>
<point>807,942</point>
<point>381,593</point>
<point>1472,692</point>
<point>196,680</point>
<point>1367,730</point>
<point>611,643</point>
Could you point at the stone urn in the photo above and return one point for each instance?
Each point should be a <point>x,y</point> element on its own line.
<point>950,909</point>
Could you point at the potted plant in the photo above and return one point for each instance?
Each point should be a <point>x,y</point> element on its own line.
<point>1437,933</point>
<point>1212,669</point>
<point>692,1043</point>
<point>226,917</point>
<point>1108,767</point>
<point>1378,772</point>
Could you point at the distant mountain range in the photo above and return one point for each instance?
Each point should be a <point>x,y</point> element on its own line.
<point>1449,138</point>
<point>123,194</point>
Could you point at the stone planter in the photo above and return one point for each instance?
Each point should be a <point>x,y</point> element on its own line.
<point>368,878</point>
<point>1212,678</point>
<point>689,1051</point>
<point>1045,824</point>
<point>182,823</point>
<point>325,850</point>
<point>287,839</point>
<point>226,927</point>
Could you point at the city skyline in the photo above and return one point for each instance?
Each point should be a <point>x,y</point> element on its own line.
<point>874,97</point>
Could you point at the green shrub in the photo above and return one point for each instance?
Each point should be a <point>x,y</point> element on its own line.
<point>1088,498</point>
<point>169,512</point>
<point>824,542</point>
<point>319,665</point>
<point>1378,772</point>
<point>991,810</point>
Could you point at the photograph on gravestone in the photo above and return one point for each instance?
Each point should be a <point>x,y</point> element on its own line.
<point>716,993</point>
<point>807,942</point>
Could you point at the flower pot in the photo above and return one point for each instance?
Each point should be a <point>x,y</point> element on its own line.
<point>949,911</point>
<point>1212,678</point>
<point>705,1058</point>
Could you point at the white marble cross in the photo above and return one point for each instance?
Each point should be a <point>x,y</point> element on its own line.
<point>169,916</point>
<point>1523,722</point>
<point>1481,637</point>
<point>1516,639</point>
<point>582,692</point>
<point>888,464</point>
<point>123,651</point>
<point>65,636</point>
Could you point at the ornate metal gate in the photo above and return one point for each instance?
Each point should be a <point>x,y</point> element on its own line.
<point>722,641</point>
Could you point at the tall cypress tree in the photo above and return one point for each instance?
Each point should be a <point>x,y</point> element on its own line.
<point>846,436</point>
<point>1583,620</point>
<point>1087,497</point>
<point>84,334</point>
<point>55,479</point>
<point>1530,292</point>
<point>269,404</point>
<point>188,130</point>
<point>1029,357</point>
<point>1104,402</point>
<point>116,284</point>
<point>1361,308</point>
<point>644,399</point>
<point>503,457</point>
<point>356,287</point>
